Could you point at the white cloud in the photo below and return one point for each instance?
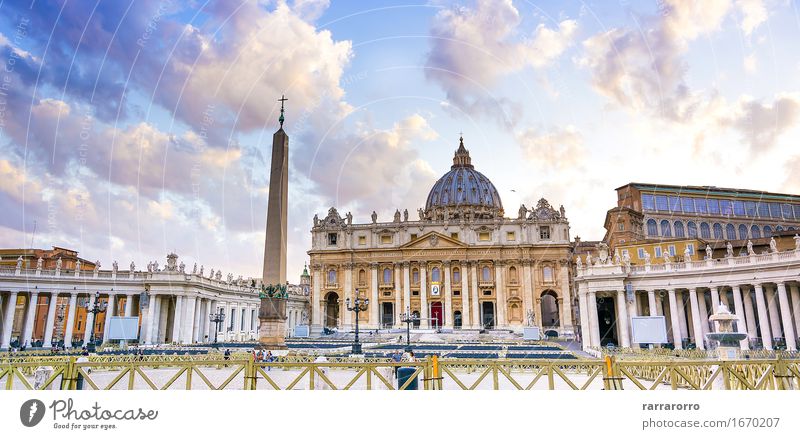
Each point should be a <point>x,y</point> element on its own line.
<point>557,148</point>
<point>753,14</point>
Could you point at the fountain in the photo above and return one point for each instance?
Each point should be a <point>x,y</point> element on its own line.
<point>728,341</point>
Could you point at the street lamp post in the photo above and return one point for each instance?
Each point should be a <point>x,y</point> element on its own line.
<point>94,308</point>
<point>407,318</point>
<point>217,319</point>
<point>359,305</point>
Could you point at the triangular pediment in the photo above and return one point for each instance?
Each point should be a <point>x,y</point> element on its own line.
<point>433,240</point>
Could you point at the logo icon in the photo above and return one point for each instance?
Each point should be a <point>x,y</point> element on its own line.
<point>31,412</point>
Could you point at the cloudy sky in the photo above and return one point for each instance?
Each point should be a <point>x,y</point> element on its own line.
<point>129,129</point>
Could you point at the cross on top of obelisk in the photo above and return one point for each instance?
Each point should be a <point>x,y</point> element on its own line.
<point>282,100</point>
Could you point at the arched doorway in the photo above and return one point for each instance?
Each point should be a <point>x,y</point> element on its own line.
<point>487,315</point>
<point>550,315</point>
<point>387,314</point>
<point>437,314</point>
<point>332,310</point>
<point>607,320</point>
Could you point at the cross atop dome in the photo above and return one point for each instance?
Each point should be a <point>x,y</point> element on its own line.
<point>461,159</point>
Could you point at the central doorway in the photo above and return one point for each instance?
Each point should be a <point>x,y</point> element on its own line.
<point>487,315</point>
<point>332,310</point>
<point>607,321</point>
<point>437,314</point>
<point>387,314</point>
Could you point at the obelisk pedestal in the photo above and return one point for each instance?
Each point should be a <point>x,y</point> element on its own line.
<point>272,327</point>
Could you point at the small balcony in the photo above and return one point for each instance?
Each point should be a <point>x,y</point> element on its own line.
<point>485,283</point>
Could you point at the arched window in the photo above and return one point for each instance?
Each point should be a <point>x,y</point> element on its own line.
<point>692,229</point>
<point>415,276</point>
<point>512,274</point>
<point>486,274</point>
<point>717,231</point>
<point>362,277</point>
<point>767,232</point>
<point>435,275</point>
<point>331,277</point>
<point>742,231</point>
<point>730,232</point>
<point>456,276</point>
<point>547,273</point>
<point>791,228</point>
<point>652,227</point>
<point>387,276</point>
<point>779,228</point>
<point>755,232</point>
<point>666,229</point>
<point>679,230</point>
<point>705,231</point>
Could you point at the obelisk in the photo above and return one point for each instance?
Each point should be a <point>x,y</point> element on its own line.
<point>272,314</point>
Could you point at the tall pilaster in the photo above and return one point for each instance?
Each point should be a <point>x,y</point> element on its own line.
<point>348,293</point>
<point>500,289</point>
<point>566,311</point>
<point>406,287</point>
<point>375,308</point>
<point>448,297</point>
<point>466,311</point>
<point>476,304</point>
<point>423,295</point>
<point>397,269</point>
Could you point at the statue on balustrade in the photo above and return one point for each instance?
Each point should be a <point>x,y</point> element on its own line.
<point>19,263</point>
<point>78,266</point>
<point>773,246</point>
<point>617,260</point>
<point>750,248</point>
<point>133,267</point>
<point>421,214</point>
<point>349,217</point>
<point>667,259</point>
<point>114,267</point>
<point>531,318</point>
<point>194,269</point>
<point>397,216</point>
<point>728,250</point>
<point>578,262</point>
<point>58,264</point>
<point>96,267</point>
<point>182,267</point>
<point>687,254</point>
<point>646,257</point>
<point>39,264</point>
<point>201,271</point>
<point>374,217</point>
<point>523,212</point>
<point>709,252</point>
<point>797,242</point>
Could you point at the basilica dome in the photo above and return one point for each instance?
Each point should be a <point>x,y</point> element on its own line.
<point>463,192</point>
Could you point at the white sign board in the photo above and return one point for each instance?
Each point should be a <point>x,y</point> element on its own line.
<point>531,333</point>
<point>649,329</point>
<point>301,331</point>
<point>123,328</point>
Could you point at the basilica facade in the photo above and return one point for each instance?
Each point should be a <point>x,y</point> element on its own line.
<point>460,265</point>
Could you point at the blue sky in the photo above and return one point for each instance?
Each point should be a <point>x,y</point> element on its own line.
<point>131,129</point>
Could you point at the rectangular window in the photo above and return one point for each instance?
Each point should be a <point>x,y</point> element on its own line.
<point>763,209</point>
<point>713,206</point>
<point>648,202</point>
<point>386,239</point>
<point>332,238</point>
<point>738,208</point>
<point>641,253</point>
<point>701,205</point>
<point>625,252</point>
<point>413,236</point>
<point>691,248</point>
<point>661,203</point>
<point>487,293</point>
<point>454,235</point>
<point>621,227</point>
<point>688,204</point>
<point>657,252</point>
<point>671,250</point>
<point>787,211</point>
<point>484,236</point>
<point>750,208</point>
<point>511,236</point>
<point>456,293</point>
<point>797,211</point>
<point>725,207</point>
<point>544,232</point>
<point>387,293</point>
<point>775,210</point>
<point>674,204</point>
<point>415,293</point>
<point>362,240</point>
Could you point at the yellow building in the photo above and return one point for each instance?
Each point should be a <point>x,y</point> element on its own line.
<point>656,248</point>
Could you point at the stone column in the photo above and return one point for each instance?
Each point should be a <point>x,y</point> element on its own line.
<point>786,317</point>
<point>632,312</point>
<point>622,320</point>
<point>527,291</point>
<point>196,323</point>
<point>701,298</point>
<point>763,320</point>
<point>155,319</point>
<point>697,323</point>
<point>176,319</point>
<point>752,331</point>
<point>188,319</point>
<point>348,292</point>
<point>448,298</point>
<point>466,311</point>
<point>714,300</point>
<point>109,314</point>
<point>476,304</point>
<point>423,295</point>
<point>406,287</point>
<point>500,289</point>
<point>594,327</point>
<point>30,317</point>
<point>795,292</point>
<point>583,304</point>
<point>651,299</point>
<point>772,309</point>
<point>681,310</point>
<point>738,304</point>
<point>676,324</point>
<point>374,309</point>
<point>73,305</point>
<point>51,320</point>
<point>317,301</point>
<point>8,319</point>
<point>566,318</point>
<point>398,307</point>
<point>129,305</point>
<point>212,327</point>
